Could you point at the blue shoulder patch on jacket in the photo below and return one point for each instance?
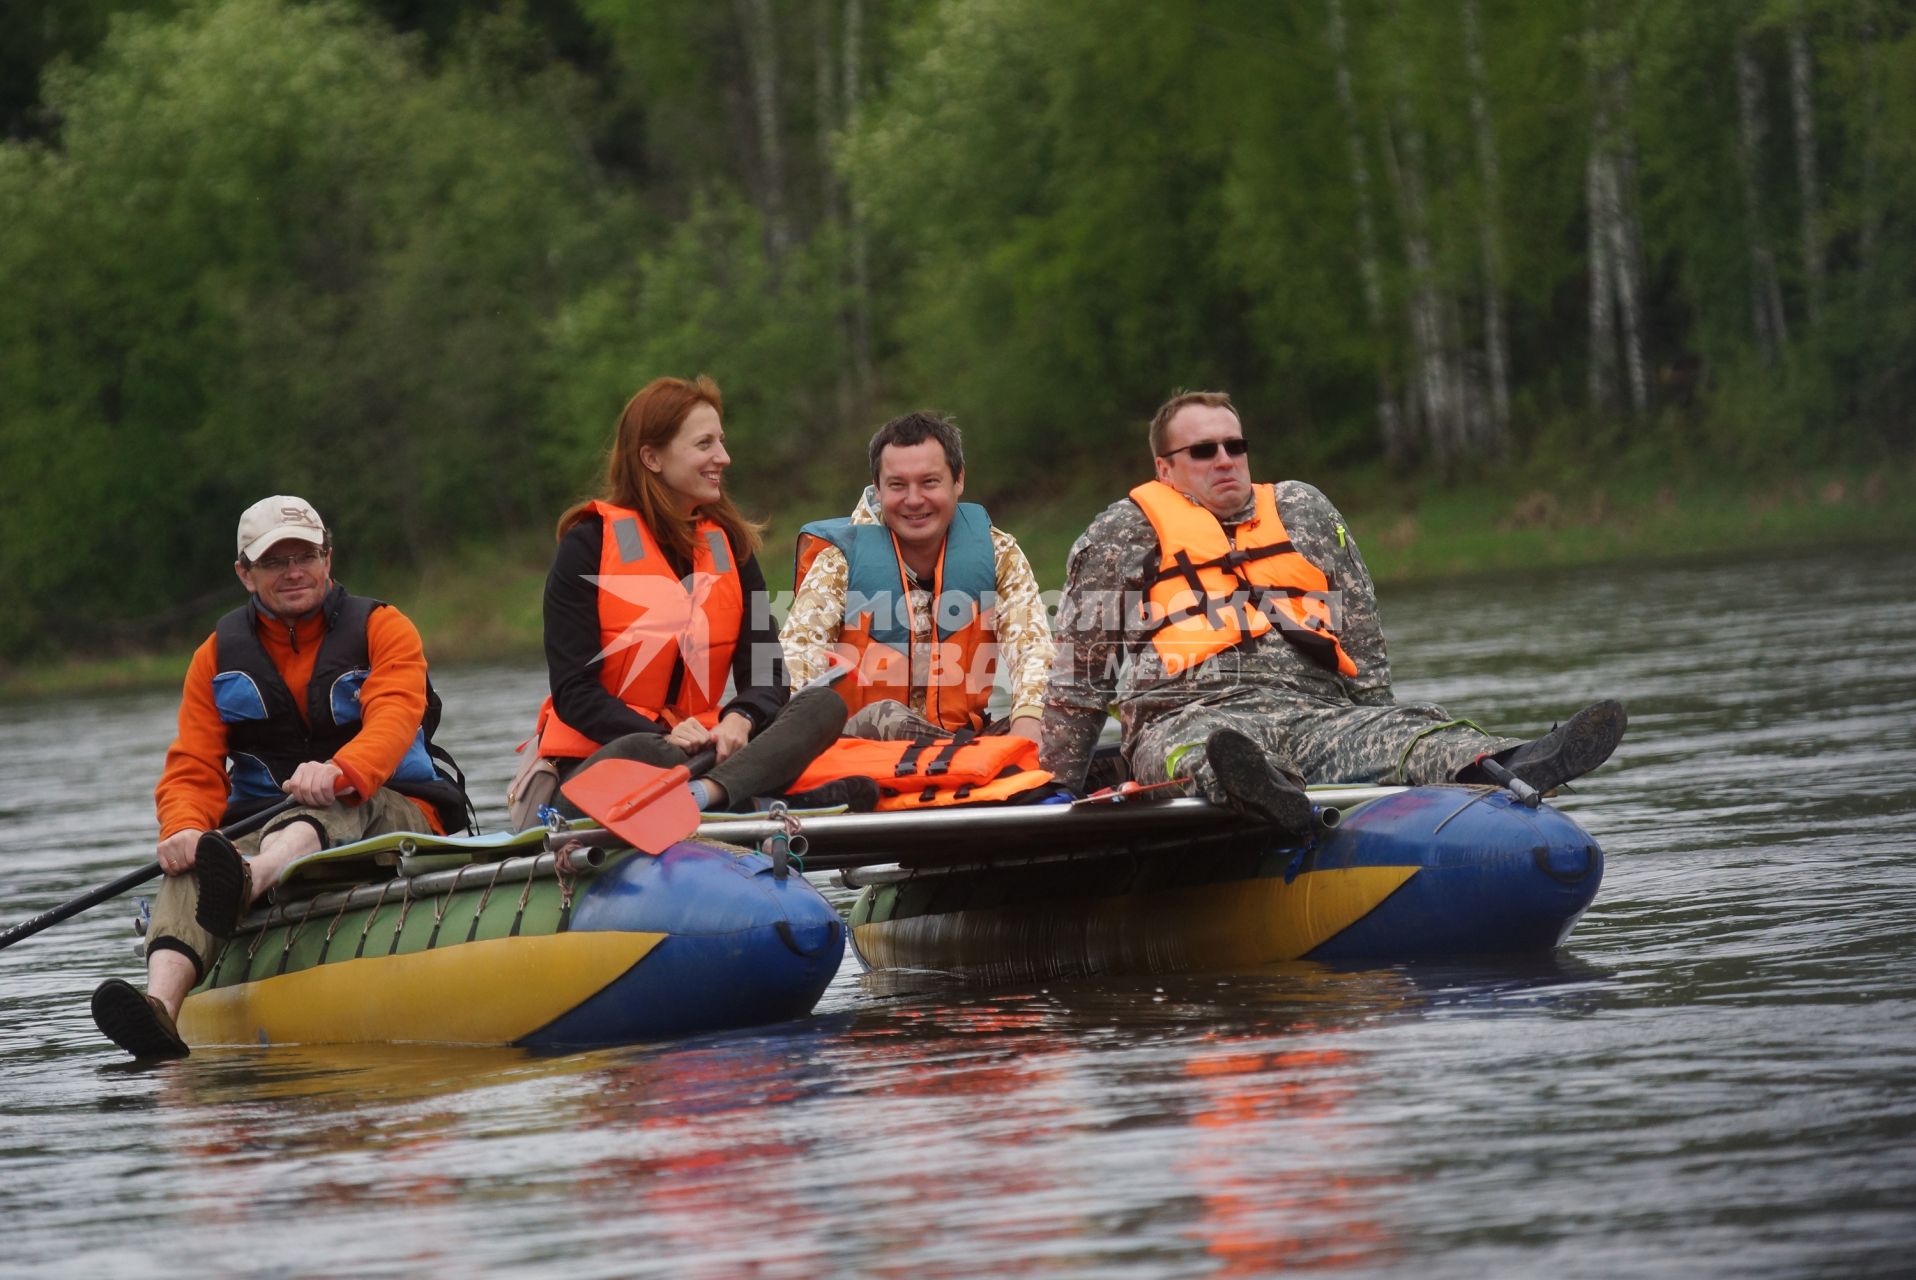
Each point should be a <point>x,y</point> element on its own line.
<point>237,697</point>
<point>344,695</point>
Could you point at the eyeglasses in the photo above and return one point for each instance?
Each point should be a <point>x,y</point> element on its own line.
<point>280,564</point>
<point>1205,450</point>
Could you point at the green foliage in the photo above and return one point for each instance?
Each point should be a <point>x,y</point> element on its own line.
<point>1055,211</point>
<point>36,34</point>
<point>409,257</point>
<point>707,299</point>
<point>269,254</point>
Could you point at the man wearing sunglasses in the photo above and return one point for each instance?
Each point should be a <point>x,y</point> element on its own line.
<point>1235,627</point>
<point>305,692</point>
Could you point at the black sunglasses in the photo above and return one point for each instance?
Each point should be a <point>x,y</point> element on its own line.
<point>1206,450</point>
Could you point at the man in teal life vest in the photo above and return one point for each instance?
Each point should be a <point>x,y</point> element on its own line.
<point>1235,626</point>
<point>303,691</point>
<point>922,595</point>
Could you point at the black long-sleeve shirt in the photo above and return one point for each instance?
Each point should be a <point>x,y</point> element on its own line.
<point>573,644</point>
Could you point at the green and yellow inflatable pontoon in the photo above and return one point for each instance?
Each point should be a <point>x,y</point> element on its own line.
<point>490,940</point>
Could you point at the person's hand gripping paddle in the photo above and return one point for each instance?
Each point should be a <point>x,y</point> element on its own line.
<point>649,807</point>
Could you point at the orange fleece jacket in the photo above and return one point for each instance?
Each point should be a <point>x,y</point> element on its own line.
<point>392,703</point>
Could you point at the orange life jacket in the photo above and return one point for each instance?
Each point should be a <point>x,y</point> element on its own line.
<point>875,638</point>
<point>961,769</point>
<point>1214,590</point>
<point>667,644</point>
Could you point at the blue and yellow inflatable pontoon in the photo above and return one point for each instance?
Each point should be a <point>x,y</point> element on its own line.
<point>500,949</point>
<point>1178,885</point>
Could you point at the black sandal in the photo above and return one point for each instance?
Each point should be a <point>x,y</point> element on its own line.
<point>225,883</point>
<point>137,1023</point>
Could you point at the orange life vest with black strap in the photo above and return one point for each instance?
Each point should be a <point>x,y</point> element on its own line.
<point>667,643</point>
<point>929,773</point>
<point>1214,590</point>
<point>875,637</point>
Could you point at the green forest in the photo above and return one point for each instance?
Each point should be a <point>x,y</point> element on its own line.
<point>408,258</point>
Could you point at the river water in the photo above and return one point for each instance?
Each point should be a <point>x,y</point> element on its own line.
<point>1716,1076</point>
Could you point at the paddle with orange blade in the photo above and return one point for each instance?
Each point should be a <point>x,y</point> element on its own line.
<point>649,807</point>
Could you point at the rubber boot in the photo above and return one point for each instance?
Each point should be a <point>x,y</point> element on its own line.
<point>1254,786</point>
<point>769,763</point>
<point>1568,751</point>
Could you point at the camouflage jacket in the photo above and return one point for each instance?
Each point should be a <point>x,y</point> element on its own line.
<point>1105,654</point>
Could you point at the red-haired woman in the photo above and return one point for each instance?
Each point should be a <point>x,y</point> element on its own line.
<point>656,600</point>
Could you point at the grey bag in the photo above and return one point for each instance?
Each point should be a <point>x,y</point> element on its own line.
<point>530,790</point>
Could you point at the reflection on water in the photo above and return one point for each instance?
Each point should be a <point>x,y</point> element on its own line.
<point>1713,1078</point>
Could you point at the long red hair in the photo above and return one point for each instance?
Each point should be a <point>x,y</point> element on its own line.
<point>653,418</point>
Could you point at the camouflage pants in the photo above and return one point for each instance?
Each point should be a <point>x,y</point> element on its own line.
<point>176,925</point>
<point>891,721</point>
<point>1321,739</point>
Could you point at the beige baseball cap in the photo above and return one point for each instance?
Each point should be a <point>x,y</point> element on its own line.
<point>272,519</point>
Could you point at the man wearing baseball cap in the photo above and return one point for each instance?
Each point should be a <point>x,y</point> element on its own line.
<point>304,691</point>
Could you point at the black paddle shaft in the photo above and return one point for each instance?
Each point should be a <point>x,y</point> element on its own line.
<point>139,876</point>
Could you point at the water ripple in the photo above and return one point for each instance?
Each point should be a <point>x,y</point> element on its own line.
<point>1713,1078</point>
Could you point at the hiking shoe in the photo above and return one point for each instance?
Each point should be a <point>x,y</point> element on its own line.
<point>1254,786</point>
<point>137,1023</point>
<point>225,885</point>
<point>859,795</point>
<point>1569,750</point>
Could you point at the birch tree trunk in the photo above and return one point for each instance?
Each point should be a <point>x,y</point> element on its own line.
<point>761,60</point>
<point>825,106</point>
<point>1626,237</point>
<point>1603,285</point>
<point>1615,235</point>
<point>1626,274</point>
<point>830,201</point>
<point>1766,294</point>
<point>852,64</point>
<point>1869,195</point>
<point>1598,249</point>
<point>1390,422</point>
<point>1426,311</point>
<point>1802,98</point>
<point>1489,216</point>
<point>1464,372</point>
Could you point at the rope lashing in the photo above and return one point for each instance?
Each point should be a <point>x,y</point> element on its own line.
<point>786,845</point>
